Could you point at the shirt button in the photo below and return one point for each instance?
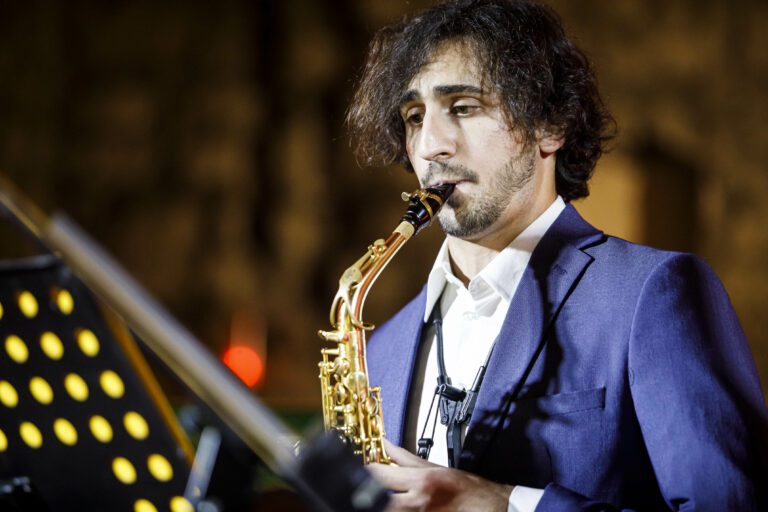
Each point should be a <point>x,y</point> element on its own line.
<point>469,315</point>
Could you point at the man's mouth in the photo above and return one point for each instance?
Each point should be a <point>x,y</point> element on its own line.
<point>455,199</point>
<point>454,182</point>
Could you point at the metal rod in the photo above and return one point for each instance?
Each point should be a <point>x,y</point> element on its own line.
<point>175,346</point>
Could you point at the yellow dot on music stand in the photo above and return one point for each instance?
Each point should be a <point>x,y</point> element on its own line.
<point>181,504</point>
<point>112,384</point>
<point>88,342</point>
<point>143,505</point>
<point>16,349</point>
<point>136,425</point>
<point>51,345</point>
<point>8,395</point>
<point>64,301</point>
<point>124,470</point>
<point>159,467</point>
<point>27,304</point>
<point>41,390</point>
<point>31,435</point>
<point>100,428</point>
<point>65,431</point>
<point>76,387</point>
<point>3,441</point>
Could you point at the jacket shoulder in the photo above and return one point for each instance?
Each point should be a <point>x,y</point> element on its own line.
<point>634,260</point>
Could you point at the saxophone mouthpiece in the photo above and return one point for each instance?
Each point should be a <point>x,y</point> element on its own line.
<point>425,203</point>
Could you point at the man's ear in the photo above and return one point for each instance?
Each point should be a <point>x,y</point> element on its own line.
<point>548,141</point>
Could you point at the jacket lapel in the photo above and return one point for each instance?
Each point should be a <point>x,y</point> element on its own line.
<point>555,268</point>
<point>401,338</point>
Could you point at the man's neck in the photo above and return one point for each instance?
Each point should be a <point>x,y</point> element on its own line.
<point>469,258</point>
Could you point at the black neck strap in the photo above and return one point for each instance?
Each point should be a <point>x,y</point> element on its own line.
<point>455,405</point>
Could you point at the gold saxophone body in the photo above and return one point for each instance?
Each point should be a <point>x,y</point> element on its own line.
<point>351,406</point>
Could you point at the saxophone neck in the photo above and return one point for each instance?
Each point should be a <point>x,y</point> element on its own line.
<point>405,229</point>
<point>354,284</point>
<point>357,280</point>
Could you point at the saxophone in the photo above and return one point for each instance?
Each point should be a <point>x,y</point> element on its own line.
<point>351,407</point>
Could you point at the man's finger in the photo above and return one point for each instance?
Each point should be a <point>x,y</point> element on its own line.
<point>404,458</point>
<point>395,478</point>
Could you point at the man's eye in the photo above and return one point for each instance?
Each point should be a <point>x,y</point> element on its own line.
<point>463,110</point>
<point>414,118</point>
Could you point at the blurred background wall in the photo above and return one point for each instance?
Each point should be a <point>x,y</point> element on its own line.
<point>203,144</point>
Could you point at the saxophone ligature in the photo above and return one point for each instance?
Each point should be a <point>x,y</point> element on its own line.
<point>351,407</point>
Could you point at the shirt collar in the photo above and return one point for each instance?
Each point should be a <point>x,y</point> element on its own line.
<point>496,275</point>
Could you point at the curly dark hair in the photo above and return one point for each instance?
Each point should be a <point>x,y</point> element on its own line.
<point>544,82</point>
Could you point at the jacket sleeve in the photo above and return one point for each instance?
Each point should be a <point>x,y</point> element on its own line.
<point>696,395</point>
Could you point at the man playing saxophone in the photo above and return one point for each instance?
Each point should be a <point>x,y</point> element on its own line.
<point>545,365</point>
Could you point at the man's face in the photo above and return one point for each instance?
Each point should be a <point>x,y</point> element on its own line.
<point>456,132</point>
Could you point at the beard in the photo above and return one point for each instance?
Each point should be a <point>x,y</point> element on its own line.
<point>467,215</point>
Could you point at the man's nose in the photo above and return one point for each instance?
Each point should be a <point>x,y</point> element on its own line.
<point>437,141</point>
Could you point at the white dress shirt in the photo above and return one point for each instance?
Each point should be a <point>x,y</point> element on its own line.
<point>472,319</point>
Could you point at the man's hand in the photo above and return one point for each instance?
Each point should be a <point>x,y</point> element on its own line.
<point>421,485</point>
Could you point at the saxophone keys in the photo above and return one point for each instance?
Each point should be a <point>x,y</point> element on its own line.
<point>336,336</point>
<point>372,406</point>
<point>341,393</point>
<point>341,366</point>
<point>377,248</point>
<point>329,352</point>
<point>375,427</point>
<point>375,455</point>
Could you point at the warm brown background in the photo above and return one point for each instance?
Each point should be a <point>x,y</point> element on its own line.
<point>202,143</point>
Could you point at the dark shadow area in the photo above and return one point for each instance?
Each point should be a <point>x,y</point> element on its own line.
<point>670,213</point>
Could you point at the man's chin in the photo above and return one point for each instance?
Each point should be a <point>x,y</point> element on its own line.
<point>456,223</point>
<point>452,227</point>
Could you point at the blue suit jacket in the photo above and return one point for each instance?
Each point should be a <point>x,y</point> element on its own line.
<point>621,378</point>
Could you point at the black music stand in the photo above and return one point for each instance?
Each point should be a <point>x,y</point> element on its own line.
<point>141,464</point>
<point>81,415</point>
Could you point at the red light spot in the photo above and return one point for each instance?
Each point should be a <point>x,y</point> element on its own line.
<point>244,362</point>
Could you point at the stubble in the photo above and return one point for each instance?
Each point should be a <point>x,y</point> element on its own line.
<point>465,216</point>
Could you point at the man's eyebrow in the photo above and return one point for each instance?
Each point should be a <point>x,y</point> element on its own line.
<point>444,90</point>
<point>409,96</point>
<point>440,90</point>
